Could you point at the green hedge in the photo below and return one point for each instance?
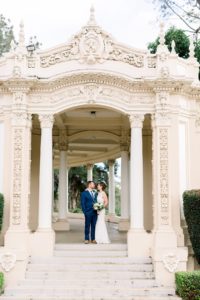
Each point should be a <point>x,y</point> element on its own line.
<point>191,204</point>
<point>1,282</point>
<point>1,210</point>
<point>188,285</point>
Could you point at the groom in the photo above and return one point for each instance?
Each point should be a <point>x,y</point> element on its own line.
<point>88,198</point>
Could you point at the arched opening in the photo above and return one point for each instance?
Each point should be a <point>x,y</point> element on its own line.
<point>90,135</point>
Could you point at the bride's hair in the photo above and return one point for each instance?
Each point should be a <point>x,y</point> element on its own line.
<point>103,185</point>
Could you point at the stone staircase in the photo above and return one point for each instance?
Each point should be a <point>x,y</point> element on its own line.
<point>89,272</point>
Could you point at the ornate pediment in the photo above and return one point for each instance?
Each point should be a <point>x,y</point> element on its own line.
<point>93,45</point>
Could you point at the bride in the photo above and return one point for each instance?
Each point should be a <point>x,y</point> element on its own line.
<point>101,233</point>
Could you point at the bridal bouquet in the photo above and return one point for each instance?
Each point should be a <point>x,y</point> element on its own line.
<point>98,206</point>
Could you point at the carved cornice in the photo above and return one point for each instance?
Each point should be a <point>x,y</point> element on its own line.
<point>18,85</point>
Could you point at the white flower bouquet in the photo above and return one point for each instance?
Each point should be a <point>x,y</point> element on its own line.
<point>98,206</point>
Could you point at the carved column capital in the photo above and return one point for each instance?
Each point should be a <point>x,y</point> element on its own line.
<point>63,141</point>
<point>111,162</point>
<point>46,120</point>
<point>89,166</point>
<point>136,120</point>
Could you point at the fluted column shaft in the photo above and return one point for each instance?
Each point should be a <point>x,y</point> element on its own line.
<point>136,173</point>
<point>45,181</point>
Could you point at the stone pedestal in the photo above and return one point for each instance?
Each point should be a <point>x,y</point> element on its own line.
<point>42,243</point>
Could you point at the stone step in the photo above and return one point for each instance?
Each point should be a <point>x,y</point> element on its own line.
<point>90,253</point>
<point>83,247</point>
<point>98,297</point>
<point>131,275</point>
<point>138,283</point>
<point>88,291</point>
<point>89,267</point>
<point>89,260</point>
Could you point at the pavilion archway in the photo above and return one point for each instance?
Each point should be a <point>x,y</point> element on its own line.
<point>88,134</point>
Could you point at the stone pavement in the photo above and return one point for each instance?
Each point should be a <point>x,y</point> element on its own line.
<point>76,233</point>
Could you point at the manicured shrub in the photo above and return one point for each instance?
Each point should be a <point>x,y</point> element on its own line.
<point>188,285</point>
<point>1,210</point>
<point>1,282</point>
<point>191,204</point>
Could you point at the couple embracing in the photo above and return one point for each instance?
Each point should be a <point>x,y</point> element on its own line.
<point>93,206</point>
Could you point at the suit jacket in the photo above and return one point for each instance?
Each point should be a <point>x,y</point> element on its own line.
<point>87,202</point>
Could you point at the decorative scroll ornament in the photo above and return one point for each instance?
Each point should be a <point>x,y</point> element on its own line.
<point>7,261</point>
<point>92,45</point>
<point>170,262</point>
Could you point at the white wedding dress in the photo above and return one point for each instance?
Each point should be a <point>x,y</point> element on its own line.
<point>101,233</point>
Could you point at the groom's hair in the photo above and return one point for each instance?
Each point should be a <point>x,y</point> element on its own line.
<point>88,182</point>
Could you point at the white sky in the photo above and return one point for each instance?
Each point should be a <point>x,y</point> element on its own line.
<point>132,22</point>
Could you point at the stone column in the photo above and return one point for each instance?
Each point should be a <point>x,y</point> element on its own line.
<point>89,172</point>
<point>167,256</point>
<point>18,233</point>
<point>67,189</point>
<point>62,224</point>
<point>111,205</point>
<point>136,231</point>
<point>124,221</point>
<point>45,236</point>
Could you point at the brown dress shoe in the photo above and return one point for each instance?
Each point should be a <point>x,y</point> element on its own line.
<point>93,242</point>
<point>86,242</point>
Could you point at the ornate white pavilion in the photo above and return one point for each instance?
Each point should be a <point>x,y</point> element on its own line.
<point>86,101</point>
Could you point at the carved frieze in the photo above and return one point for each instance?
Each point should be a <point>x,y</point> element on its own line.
<point>92,45</point>
<point>164,180</point>
<point>17,174</point>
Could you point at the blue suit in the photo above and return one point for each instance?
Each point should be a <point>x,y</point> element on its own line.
<point>87,202</point>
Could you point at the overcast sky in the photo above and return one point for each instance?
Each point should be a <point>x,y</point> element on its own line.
<point>132,22</point>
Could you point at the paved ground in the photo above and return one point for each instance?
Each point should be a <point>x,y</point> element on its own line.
<point>75,235</point>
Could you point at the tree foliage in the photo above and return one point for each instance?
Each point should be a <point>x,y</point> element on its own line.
<point>78,179</point>
<point>181,40</point>
<point>6,34</point>
<point>188,11</point>
<point>182,43</point>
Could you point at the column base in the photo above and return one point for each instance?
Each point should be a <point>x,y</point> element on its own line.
<point>139,243</point>
<point>168,258</point>
<point>43,242</point>
<point>61,225</point>
<point>123,225</point>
